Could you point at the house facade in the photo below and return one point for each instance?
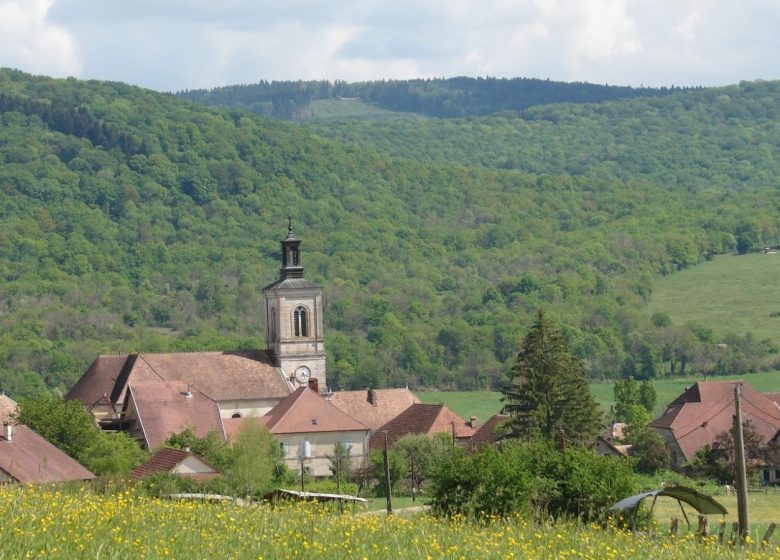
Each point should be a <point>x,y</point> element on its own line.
<point>705,410</point>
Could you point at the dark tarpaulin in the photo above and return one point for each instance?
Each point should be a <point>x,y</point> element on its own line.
<point>702,503</point>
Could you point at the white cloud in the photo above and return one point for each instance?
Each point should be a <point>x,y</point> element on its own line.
<point>29,42</point>
<point>177,44</point>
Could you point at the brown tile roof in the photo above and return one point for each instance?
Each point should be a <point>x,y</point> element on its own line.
<point>99,379</point>
<point>705,410</point>
<point>774,397</point>
<point>421,419</point>
<point>28,457</point>
<point>374,407</point>
<point>167,459</point>
<point>489,432</point>
<point>305,411</point>
<point>220,375</point>
<point>7,408</point>
<point>164,408</point>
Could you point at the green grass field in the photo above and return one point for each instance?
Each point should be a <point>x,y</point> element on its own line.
<point>483,404</point>
<point>729,294</point>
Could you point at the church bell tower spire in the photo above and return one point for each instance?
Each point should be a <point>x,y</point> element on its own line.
<point>291,254</point>
<point>294,318</point>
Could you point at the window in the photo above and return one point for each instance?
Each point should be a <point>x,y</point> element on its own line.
<point>285,448</point>
<point>300,322</point>
<point>236,415</point>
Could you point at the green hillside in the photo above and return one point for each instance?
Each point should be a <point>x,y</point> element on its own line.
<point>729,294</point>
<point>132,220</point>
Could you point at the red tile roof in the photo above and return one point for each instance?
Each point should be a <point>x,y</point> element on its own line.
<point>167,459</point>
<point>489,433</point>
<point>164,408</point>
<point>220,375</point>
<point>421,419</point>
<point>705,410</point>
<point>374,407</point>
<point>774,397</point>
<point>7,409</point>
<point>28,457</point>
<point>305,411</point>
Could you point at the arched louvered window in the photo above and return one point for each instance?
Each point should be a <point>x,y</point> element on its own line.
<point>300,322</point>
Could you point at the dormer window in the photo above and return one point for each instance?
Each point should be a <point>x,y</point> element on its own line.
<point>300,322</point>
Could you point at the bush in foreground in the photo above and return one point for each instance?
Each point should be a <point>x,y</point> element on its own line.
<point>532,478</point>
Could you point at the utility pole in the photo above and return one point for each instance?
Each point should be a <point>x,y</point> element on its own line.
<point>739,464</point>
<point>387,478</point>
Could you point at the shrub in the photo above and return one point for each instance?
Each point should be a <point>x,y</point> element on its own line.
<point>530,477</point>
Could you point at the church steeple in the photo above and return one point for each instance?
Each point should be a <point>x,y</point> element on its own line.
<point>293,310</point>
<point>291,257</point>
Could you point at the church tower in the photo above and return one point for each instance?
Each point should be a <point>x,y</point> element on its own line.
<point>293,308</point>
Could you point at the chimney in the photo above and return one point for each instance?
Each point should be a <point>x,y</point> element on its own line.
<point>473,422</point>
<point>314,385</point>
<point>9,431</point>
<point>371,397</point>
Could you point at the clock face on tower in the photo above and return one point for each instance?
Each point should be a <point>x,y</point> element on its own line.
<point>302,374</point>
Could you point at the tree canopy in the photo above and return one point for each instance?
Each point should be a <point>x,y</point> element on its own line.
<point>548,395</point>
<point>136,221</point>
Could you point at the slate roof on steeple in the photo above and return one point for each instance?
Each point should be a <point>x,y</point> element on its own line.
<point>292,284</point>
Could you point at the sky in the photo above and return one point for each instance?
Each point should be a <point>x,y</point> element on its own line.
<point>172,45</point>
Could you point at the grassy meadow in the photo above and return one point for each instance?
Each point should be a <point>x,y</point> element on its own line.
<point>39,523</point>
<point>735,293</point>
<point>483,404</point>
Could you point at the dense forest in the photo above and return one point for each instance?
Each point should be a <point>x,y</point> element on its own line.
<point>136,221</point>
<point>452,97</point>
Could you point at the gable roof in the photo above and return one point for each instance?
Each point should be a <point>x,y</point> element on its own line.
<point>305,411</point>
<point>165,408</point>
<point>220,375</point>
<point>421,419</point>
<point>29,458</point>
<point>488,433</point>
<point>167,459</point>
<point>705,410</point>
<point>374,407</point>
<point>7,408</point>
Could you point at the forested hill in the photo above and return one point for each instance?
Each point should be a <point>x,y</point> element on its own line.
<point>131,220</point>
<point>452,97</point>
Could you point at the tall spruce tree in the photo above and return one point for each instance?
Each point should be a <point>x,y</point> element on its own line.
<point>548,395</point>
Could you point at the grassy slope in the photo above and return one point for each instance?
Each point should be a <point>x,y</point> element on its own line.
<point>353,109</point>
<point>728,294</point>
<point>484,404</point>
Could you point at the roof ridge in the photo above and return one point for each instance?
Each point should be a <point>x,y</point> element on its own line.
<point>294,398</point>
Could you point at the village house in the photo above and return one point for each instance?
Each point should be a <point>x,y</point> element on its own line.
<point>308,427</point>
<point>705,410</point>
<point>428,419</point>
<point>180,462</point>
<point>27,458</point>
<point>373,407</point>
